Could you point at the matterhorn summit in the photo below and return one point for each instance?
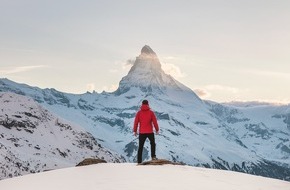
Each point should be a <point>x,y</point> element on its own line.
<point>147,76</point>
<point>147,50</point>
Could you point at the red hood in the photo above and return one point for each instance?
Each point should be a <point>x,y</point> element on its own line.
<point>145,107</point>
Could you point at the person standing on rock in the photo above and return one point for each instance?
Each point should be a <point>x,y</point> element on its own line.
<point>146,119</point>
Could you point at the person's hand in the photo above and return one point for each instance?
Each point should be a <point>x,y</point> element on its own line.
<point>157,132</point>
<point>135,134</point>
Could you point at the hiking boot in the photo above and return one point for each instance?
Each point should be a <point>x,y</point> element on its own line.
<point>154,158</point>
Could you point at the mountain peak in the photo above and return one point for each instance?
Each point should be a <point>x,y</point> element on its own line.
<point>147,75</point>
<point>147,50</point>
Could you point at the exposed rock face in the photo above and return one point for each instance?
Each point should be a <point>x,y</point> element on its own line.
<point>160,162</point>
<point>90,161</point>
<point>147,50</point>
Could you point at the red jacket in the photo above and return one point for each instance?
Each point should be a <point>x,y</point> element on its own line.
<point>145,117</point>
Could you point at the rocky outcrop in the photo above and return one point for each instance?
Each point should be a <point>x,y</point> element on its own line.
<point>91,161</point>
<point>160,162</point>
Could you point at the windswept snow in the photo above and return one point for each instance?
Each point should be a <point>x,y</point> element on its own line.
<point>132,177</point>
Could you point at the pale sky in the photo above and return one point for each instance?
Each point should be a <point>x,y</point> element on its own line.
<point>226,50</point>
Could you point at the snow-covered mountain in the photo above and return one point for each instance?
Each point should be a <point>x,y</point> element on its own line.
<point>32,139</point>
<point>147,75</point>
<point>128,176</point>
<point>252,139</point>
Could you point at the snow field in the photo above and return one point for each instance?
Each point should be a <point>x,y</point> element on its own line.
<point>131,177</point>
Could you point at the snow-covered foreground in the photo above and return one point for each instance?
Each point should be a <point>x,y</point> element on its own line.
<point>130,176</point>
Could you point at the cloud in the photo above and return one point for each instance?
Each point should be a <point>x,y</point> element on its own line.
<point>130,62</point>
<point>125,65</point>
<point>13,70</point>
<point>217,87</point>
<point>202,93</point>
<point>218,90</point>
<point>172,70</point>
<point>274,102</point>
<point>282,101</point>
<point>229,94</point>
<point>111,88</point>
<point>90,87</point>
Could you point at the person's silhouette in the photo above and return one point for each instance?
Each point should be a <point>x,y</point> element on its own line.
<point>146,119</point>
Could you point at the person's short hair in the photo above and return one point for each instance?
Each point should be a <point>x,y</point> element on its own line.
<point>145,102</point>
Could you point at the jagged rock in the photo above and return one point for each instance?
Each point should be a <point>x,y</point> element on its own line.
<point>90,161</point>
<point>147,50</point>
<point>160,162</point>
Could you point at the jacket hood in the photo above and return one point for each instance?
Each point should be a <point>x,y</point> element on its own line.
<point>145,107</point>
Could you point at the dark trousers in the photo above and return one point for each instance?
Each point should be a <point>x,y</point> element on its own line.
<point>142,139</point>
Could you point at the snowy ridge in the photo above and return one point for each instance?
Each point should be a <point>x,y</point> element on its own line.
<point>111,177</point>
<point>247,139</point>
<point>33,140</point>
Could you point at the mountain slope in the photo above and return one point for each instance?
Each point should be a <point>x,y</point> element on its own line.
<point>111,177</point>
<point>251,139</point>
<point>33,140</point>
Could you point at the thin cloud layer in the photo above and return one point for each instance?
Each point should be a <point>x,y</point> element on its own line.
<point>111,88</point>
<point>21,69</point>
<point>213,89</point>
<point>130,62</point>
<point>172,70</point>
<point>202,93</point>
<point>90,87</point>
<point>217,87</point>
